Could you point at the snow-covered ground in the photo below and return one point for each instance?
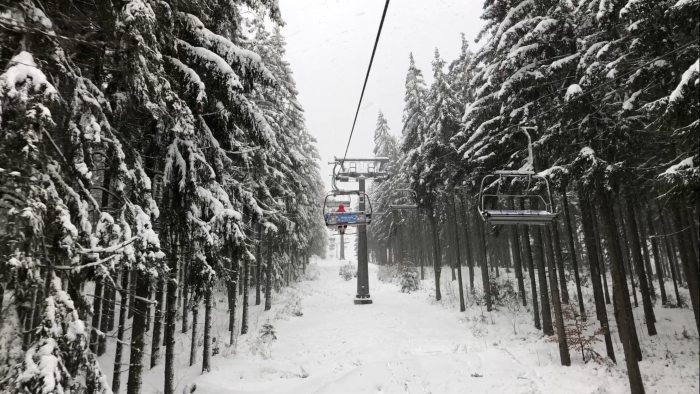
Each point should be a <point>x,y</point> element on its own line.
<point>408,343</point>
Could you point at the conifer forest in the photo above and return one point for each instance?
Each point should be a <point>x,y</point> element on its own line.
<point>174,219</point>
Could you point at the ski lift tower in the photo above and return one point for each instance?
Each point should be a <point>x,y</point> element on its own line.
<point>351,170</point>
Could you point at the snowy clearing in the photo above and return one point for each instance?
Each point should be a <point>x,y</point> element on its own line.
<point>409,343</point>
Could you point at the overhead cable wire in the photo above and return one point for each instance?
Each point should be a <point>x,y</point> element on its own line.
<point>364,86</point>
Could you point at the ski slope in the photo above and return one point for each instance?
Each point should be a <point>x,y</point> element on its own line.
<point>406,343</point>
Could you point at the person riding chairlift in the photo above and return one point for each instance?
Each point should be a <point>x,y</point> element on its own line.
<point>341,208</point>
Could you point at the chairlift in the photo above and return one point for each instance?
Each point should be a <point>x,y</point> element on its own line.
<point>542,209</point>
<point>336,219</point>
<point>412,205</point>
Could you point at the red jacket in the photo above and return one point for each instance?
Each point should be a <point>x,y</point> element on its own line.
<point>341,208</point>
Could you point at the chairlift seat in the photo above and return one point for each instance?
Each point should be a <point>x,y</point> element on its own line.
<point>400,207</point>
<point>518,216</point>
<point>334,219</point>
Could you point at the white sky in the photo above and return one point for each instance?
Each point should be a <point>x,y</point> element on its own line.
<point>329,44</point>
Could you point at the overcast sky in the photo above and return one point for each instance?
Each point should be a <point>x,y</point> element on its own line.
<point>329,43</point>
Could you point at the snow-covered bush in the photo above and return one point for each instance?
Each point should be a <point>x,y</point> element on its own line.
<point>263,343</point>
<point>347,271</point>
<point>410,281</point>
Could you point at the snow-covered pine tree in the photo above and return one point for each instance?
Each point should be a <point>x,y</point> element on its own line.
<point>383,229</point>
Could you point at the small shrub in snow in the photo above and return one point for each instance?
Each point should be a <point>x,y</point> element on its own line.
<point>581,333</point>
<point>584,280</point>
<point>511,301</point>
<point>410,281</point>
<point>347,271</point>
<point>215,347</point>
<point>685,334</point>
<point>263,344</point>
<point>296,308</point>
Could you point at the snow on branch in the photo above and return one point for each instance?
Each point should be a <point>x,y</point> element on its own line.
<point>23,76</point>
<point>683,165</point>
<point>211,62</point>
<point>247,62</point>
<point>690,75</point>
<point>110,249</point>
<point>193,83</point>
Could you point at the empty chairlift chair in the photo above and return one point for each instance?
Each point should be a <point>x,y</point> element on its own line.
<point>535,190</point>
<point>407,203</point>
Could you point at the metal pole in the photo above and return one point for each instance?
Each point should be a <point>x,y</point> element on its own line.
<point>362,296</point>
<point>342,246</point>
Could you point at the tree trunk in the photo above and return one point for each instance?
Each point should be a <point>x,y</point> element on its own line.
<point>206,352</point>
<point>626,252</point>
<point>104,320</point>
<point>559,260</point>
<point>116,374</point>
<point>517,262</point>
<point>157,324</point>
<point>193,337</point>
<point>657,256</point>
<point>547,327</point>
<point>645,252</point>
<point>170,320</point>
<point>185,299</point>
<point>467,244</point>
<point>422,251</point>
<point>268,278</point>
<point>485,268</point>
<point>437,266</point>
<point>671,255</point>
<point>462,307</point>
<point>641,274</point>
<point>231,287</point>
<point>564,355</point>
<point>244,315</point>
<point>572,249</point>
<point>603,271</point>
<point>688,259</point>
<point>533,281</point>
<point>112,307</point>
<point>624,323</point>
<point>592,245</point>
<point>138,331</point>
<point>132,292</point>
<point>96,315</point>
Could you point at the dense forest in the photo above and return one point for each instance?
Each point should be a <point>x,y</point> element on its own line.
<point>157,179</point>
<point>609,92</point>
<point>150,151</point>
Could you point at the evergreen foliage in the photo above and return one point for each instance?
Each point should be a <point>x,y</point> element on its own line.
<point>142,140</point>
